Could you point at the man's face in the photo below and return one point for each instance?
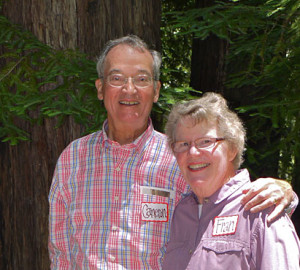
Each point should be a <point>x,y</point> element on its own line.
<point>127,105</point>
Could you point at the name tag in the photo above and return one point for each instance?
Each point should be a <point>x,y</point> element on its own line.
<point>158,192</point>
<point>155,212</point>
<point>225,225</point>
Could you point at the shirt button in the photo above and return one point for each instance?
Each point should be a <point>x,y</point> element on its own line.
<point>190,251</point>
<point>118,169</point>
<point>112,258</point>
<point>114,228</point>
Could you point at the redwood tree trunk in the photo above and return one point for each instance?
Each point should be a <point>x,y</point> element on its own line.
<point>208,74</point>
<point>208,64</point>
<point>208,60</point>
<point>26,169</point>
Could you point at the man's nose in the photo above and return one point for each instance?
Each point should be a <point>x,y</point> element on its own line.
<point>129,85</point>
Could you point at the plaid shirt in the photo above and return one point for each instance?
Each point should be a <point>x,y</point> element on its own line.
<point>111,205</point>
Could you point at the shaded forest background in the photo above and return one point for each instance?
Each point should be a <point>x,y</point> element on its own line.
<point>249,51</point>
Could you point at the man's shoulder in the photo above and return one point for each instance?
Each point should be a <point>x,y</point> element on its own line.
<point>84,142</point>
<point>159,134</point>
<point>160,137</point>
<point>159,142</point>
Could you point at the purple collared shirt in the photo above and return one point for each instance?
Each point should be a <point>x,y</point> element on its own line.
<point>225,236</point>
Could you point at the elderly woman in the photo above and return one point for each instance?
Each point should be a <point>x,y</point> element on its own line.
<point>210,228</point>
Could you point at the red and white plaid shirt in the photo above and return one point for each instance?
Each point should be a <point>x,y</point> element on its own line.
<point>111,205</point>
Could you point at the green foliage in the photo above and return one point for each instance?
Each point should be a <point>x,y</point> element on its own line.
<point>177,48</point>
<point>263,67</point>
<point>37,82</point>
<point>271,58</point>
<point>176,63</point>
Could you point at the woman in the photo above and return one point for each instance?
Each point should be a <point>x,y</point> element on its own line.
<point>210,228</point>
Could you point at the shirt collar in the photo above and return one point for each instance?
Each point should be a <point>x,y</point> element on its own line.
<point>137,144</point>
<point>236,182</point>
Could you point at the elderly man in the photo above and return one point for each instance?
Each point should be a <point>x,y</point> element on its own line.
<point>114,191</point>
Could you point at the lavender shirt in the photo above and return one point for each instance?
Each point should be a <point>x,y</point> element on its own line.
<point>228,237</point>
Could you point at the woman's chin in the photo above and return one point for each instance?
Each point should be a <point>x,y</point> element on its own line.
<point>197,183</point>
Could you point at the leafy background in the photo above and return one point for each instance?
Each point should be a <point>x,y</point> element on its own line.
<point>41,87</point>
<point>262,77</point>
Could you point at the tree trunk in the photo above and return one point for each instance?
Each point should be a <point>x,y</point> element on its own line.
<point>86,24</point>
<point>26,169</point>
<point>208,60</point>
<point>208,64</point>
<point>208,73</point>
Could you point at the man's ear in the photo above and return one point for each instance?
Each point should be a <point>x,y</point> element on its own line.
<point>157,90</point>
<point>99,86</point>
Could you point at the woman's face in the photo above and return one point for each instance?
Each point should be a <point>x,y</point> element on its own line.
<point>205,170</point>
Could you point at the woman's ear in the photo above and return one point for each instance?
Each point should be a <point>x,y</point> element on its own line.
<point>232,153</point>
<point>98,84</point>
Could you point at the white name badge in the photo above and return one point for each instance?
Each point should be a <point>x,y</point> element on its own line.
<point>225,225</point>
<point>158,192</point>
<point>157,212</point>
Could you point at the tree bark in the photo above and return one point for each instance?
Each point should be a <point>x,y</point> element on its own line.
<point>208,64</point>
<point>208,60</point>
<point>27,169</point>
<point>86,24</point>
<point>208,74</point>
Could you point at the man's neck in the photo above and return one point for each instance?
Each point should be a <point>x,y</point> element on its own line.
<point>124,134</point>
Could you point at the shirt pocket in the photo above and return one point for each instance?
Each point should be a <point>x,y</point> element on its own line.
<point>155,208</point>
<point>223,246</point>
<point>229,253</point>
<point>154,217</point>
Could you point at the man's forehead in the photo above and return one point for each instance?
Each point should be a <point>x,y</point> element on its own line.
<point>121,48</point>
<point>124,56</point>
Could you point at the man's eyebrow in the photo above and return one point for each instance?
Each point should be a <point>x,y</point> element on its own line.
<point>114,71</point>
<point>143,71</point>
<point>140,71</point>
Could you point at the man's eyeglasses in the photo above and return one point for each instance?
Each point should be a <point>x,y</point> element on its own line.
<point>201,143</point>
<point>118,80</point>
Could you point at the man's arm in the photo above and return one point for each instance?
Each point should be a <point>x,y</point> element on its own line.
<point>265,192</point>
<point>58,242</point>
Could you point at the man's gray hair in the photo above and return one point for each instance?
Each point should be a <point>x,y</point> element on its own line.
<point>134,42</point>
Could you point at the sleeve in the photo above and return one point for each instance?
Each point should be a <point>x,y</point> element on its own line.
<point>277,245</point>
<point>58,242</point>
<point>293,205</point>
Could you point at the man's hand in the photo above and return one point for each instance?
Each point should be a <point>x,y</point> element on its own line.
<point>265,192</point>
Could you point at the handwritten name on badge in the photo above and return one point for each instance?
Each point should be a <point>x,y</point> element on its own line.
<point>155,212</point>
<point>225,225</point>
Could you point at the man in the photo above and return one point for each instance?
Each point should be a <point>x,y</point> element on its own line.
<point>114,191</point>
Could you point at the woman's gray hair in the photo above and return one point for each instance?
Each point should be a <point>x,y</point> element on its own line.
<point>134,42</point>
<point>210,107</point>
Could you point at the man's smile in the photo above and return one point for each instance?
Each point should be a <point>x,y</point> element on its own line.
<point>130,103</point>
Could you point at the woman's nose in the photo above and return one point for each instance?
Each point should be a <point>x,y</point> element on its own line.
<point>194,150</point>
